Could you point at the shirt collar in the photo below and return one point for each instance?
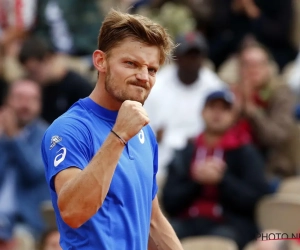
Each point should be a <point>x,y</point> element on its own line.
<point>99,110</point>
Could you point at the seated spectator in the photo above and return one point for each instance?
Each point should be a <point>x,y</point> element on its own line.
<point>50,240</point>
<point>213,184</point>
<point>7,239</point>
<point>22,181</point>
<point>61,87</point>
<point>178,96</point>
<point>267,107</point>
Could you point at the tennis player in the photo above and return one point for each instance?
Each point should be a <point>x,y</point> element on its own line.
<point>101,156</point>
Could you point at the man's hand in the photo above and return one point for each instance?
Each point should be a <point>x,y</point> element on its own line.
<point>131,119</point>
<point>9,124</point>
<point>210,171</point>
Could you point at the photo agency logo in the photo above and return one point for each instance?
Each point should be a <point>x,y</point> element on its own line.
<point>278,236</point>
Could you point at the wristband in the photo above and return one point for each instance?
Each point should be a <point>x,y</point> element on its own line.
<point>121,139</point>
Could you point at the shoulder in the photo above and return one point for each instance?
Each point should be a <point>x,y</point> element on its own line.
<point>67,127</point>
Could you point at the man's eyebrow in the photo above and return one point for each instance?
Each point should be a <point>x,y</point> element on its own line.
<point>133,59</point>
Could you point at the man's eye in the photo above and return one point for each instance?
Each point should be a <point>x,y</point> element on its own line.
<point>130,63</point>
<point>152,71</point>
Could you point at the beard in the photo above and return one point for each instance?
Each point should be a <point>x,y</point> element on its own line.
<point>123,93</point>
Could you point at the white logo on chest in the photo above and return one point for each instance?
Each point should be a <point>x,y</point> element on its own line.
<point>141,136</point>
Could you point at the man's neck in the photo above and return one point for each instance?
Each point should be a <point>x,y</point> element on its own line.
<point>100,96</point>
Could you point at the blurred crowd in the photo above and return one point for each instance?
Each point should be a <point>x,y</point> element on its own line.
<point>225,110</point>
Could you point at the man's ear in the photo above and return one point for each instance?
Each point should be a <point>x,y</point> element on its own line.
<point>99,60</point>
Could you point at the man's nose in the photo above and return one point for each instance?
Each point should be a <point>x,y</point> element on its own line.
<point>143,75</point>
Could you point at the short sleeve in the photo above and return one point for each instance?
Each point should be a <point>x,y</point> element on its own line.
<point>65,145</point>
<point>155,169</point>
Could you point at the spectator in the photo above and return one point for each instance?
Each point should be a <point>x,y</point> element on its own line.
<point>214,183</point>
<point>61,87</point>
<point>50,240</point>
<point>267,106</point>
<point>22,182</point>
<point>270,22</point>
<point>178,96</point>
<point>7,239</point>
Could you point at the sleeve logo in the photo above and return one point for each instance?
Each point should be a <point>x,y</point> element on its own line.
<point>141,136</point>
<point>54,140</point>
<point>60,157</point>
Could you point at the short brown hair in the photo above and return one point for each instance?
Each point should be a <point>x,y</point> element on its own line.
<point>117,26</point>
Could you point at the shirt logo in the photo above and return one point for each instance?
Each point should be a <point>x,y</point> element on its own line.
<point>60,157</point>
<point>54,140</point>
<point>141,136</point>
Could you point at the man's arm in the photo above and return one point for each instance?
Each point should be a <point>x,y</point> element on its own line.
<point>82,192</point>
<point>162,235</point>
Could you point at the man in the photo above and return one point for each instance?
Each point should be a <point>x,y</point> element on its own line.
<point>61,87</point>
<point>178,97</point>
<point>267,107</point>
<point>214,183</point>
<point>22,181</point>
<point>101,157</point>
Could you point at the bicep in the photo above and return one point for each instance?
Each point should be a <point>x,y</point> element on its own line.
<point>64,177</point>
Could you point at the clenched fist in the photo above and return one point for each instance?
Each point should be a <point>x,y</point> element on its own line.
<point>132,117</point>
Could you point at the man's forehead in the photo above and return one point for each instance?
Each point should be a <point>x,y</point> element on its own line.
<point>138,51</point>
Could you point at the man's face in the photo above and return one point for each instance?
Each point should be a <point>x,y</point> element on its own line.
<point>25,100</point>
<point>218,116</point>
<point>190,62</point>
<point>37,70</point>
<point>255,67</point>
<point>131,71</point>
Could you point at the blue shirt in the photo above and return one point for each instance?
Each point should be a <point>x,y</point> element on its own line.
<point>123,221</point>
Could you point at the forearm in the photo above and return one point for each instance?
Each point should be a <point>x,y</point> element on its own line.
<point>162,236</point>
<point>81,197</point>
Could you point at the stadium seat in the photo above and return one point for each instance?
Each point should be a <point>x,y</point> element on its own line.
<point>279,211</point>
<point>208,243</point>
<point>292,245</point>
<point>290,185</point>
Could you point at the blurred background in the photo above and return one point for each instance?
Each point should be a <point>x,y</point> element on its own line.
<point>225,110</point>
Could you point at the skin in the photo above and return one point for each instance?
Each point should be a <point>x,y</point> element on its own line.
<point>50,68</point>
<point>188,66</point>
<point>22,106</point>
<point>125,79</point>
